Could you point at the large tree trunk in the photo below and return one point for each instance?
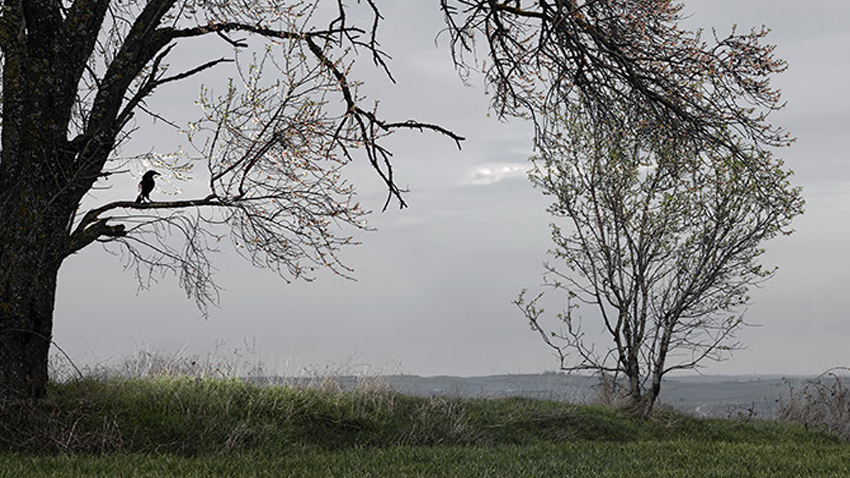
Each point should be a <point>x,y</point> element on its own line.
<point>37,205</point>
<point>40,188</point>
<point>26,325</point>
<point>38,200</point>
<point>47,166</point>
<point>30,256</point>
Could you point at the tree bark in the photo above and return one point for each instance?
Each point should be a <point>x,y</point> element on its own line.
<point>30,255</point>
<point>26,325</point>
<point>41,181</point>
<point>37,203</point>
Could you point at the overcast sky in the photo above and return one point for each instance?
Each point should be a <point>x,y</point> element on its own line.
<point>435,281</point>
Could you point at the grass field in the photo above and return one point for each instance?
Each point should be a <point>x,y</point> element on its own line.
<point>187,427</point>
<point>579,459</point>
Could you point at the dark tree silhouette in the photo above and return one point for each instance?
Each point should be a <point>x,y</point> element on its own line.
<point>74,75</point>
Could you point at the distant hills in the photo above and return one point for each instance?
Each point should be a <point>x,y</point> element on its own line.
<point>704,396</point>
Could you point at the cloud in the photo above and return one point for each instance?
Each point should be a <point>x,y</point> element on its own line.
<point>491,173</point>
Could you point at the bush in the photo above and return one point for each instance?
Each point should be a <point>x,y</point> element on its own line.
<point>822,403</point>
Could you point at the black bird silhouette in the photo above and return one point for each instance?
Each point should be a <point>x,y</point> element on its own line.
<point>146,186</point>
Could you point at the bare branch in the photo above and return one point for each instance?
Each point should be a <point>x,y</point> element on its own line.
<point>545,55</point>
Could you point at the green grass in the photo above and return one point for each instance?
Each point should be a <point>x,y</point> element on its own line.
<point>578,459</point>
<point>207,428</point>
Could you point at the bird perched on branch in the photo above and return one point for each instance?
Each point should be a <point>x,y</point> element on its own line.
<point>146,186</point>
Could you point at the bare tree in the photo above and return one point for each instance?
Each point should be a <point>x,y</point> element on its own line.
<point>662,241</point>
<point>74,75</point>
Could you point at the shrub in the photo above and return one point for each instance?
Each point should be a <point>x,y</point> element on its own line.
<point>822,403</point>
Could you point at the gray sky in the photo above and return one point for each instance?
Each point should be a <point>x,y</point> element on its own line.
<point>435,281</point>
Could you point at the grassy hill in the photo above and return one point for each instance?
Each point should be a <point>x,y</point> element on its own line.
<point>204,427</point>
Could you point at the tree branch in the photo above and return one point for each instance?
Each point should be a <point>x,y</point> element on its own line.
<point>365,121</point>
<point>92,226</point>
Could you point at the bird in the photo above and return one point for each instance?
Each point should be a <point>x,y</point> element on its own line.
<point>146,186</point>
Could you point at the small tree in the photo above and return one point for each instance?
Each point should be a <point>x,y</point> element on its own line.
<point>663,243</point>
